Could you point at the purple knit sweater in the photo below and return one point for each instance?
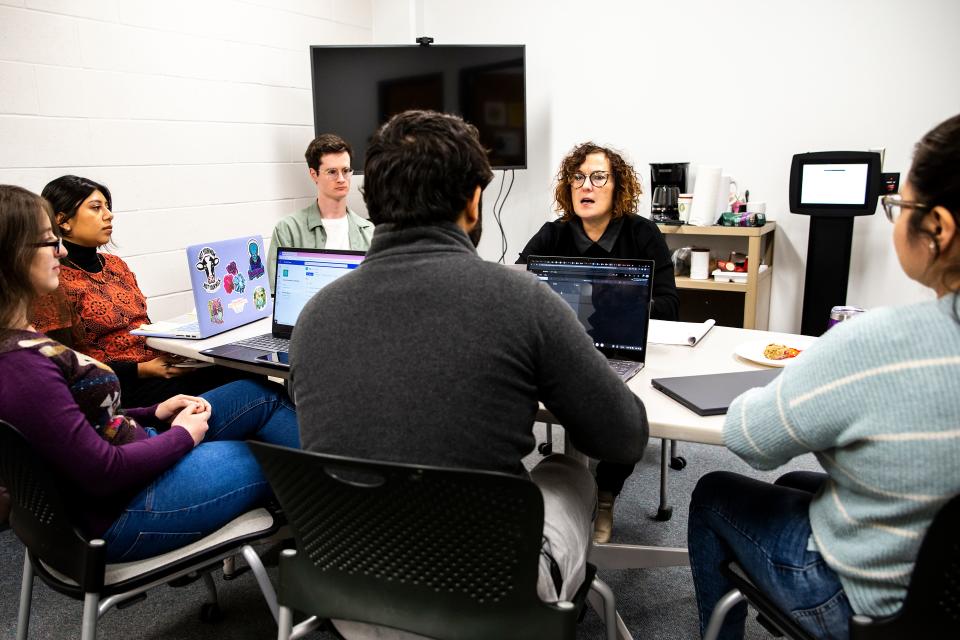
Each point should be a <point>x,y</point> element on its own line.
<point>67,406</point>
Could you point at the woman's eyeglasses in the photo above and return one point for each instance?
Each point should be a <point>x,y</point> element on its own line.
<point>597,179</point>
<point>894,205</point>
<point>56,244</point>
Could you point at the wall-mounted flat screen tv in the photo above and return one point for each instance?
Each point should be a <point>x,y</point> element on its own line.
<point>358,88</point>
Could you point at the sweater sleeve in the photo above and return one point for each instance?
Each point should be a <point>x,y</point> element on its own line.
<point>769,426</point>
<point>605,420</point>
<point>666,302</point>
<point>39,403</point>
<point>279,238</point>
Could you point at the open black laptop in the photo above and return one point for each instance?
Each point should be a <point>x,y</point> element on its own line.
<point>611,298</point>
<point>300,274</point>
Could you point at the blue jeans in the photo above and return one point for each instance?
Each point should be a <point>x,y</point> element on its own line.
<point>765,528</point>
<point>215,482</point>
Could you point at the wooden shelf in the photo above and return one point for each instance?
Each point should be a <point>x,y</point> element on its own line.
<point>716,230</point>
<point>756,290</point>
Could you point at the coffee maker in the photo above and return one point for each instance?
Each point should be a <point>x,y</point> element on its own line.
<point>667,181</point>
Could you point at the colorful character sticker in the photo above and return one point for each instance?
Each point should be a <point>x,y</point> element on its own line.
<point>215,307</point>
<point>237,305</point>
<point>234,280</point>
<point>256,263</point>
<point>259,298</point>
<point>207,261</point>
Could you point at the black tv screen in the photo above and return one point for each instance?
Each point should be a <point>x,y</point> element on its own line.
<point>358,88</point>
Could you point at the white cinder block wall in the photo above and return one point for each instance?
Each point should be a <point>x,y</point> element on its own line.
<point>195,114</point>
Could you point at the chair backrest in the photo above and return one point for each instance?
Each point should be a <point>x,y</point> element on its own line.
<point>446,553</point>
<point>932,605</point>
<point>39,515</point>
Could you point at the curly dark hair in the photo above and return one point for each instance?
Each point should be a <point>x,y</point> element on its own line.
<point>626,184</point>
<point>323,144</point>
<point>422,167</point>
<point>20,225</point>
<point>935,178</point>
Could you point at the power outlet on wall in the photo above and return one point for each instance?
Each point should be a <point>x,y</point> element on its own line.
<point>882,151</point>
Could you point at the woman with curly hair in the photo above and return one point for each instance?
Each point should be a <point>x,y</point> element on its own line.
<point>597,194</point>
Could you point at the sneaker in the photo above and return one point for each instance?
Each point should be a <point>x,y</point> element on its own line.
<point>603,525</point>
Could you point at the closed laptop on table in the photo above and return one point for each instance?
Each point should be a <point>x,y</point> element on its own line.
<point>301,273</point>
<point>229,286</point>
<point>711,394</point>
<point>611,297</point>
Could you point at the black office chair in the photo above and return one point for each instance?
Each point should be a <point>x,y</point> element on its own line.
<point>445,553</point>
<point>75,565</point>
<point>931,609</point>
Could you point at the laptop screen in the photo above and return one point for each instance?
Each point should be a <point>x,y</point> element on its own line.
<point>300,274</point>
<point>611,298</point>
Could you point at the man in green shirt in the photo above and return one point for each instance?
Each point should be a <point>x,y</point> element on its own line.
<point>326,223</point>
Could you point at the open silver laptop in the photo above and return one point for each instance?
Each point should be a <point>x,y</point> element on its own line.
<point>301,273</point>
<point>611,298</point>
<point>229,286</point>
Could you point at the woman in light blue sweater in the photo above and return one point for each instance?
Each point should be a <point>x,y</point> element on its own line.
<point>876,401</point>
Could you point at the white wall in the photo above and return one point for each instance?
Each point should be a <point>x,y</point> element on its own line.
<point>195,114</point>
<point>743,84</point>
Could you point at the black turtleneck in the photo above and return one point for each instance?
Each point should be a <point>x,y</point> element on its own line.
<point>85,258</point>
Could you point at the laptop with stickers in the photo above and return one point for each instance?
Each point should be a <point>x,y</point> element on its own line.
<point>611,298</point>
<point>230,289</point>
<point>301,273</point>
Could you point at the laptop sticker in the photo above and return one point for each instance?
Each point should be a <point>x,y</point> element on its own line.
<point>215,307</point>
<point>234,280</point>
<point>260,297</point>
<point>207,262</point>
<point>256,263</point>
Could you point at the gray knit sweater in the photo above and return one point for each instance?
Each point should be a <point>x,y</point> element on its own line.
<point>428,354</point>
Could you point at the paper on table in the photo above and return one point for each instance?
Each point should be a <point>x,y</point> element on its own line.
<point>688,333</point>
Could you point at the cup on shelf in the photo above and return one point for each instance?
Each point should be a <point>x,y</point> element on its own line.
<point>699,263</point>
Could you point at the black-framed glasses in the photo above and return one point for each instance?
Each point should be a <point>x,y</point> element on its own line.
<point>597,179</point>
<point>332,174</point>
<point>894,205</point>
<point>56,244</point>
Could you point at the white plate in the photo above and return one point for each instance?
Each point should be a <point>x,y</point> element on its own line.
<point>753,351</point>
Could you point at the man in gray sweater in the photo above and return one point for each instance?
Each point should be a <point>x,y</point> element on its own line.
<point>428,354</point>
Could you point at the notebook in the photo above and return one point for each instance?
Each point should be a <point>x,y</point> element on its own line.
<point>611,298</point>
<point>300,274</point>
<point>230,289</point>
<point>711,394</point>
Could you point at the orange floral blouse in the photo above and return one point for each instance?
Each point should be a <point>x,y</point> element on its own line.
<point>100,308</point>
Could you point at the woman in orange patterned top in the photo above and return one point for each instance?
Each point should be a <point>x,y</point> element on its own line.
<point>98,302</point>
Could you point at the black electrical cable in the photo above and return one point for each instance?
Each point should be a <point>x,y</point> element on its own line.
<point>498,213</point>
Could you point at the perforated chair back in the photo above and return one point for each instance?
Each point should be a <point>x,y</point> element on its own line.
<point>40,517</point>
<point>450,554</point>
<point>932,606</point>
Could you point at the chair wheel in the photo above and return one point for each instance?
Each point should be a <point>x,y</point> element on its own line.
<point>210,613</point>
<point>545,448</point>
<point>678,462</point>
<point>664,514</point>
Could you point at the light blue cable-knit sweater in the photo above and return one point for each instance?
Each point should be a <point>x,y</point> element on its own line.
<point>877,399</point>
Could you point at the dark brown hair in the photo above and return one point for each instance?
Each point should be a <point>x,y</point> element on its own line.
<point>323,144</point>
<point>935,178</point>
<point>66,193</point>
<point>422,167</point>
<point>626,185</point>
<point>20,226</point>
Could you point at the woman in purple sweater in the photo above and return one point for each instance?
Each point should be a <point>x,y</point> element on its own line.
<point>140,478</point>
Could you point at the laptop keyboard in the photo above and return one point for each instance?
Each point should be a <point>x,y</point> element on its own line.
<point>267,342</point>
<point>190,327</point>
<point>626,369</point>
